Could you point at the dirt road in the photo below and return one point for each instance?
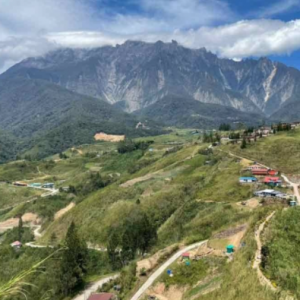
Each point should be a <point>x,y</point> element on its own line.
<point>161,269</point>
<point>295,187</point>
<point>93,288</point>
<point>257,261</point>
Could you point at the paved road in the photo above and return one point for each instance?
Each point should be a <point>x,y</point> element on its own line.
<point>93,288</point>
<point>161,269</point>
<point>257,261</point>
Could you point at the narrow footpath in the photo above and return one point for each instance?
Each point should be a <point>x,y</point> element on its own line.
<point>258,255</point>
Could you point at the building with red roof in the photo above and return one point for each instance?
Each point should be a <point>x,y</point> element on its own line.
<point>186,255</point>
<point>275,181</point>
<point>264,171</point>
<point>16,244</point>
<point>103,296</point>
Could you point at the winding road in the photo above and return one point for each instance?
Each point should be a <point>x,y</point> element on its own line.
<point>295,187</point>
<point>162,268</point>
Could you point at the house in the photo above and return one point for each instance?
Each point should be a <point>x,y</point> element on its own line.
<point>265,131</point>
<point>264,171</point>
<point>248,179</point>
<point>270,193</point>
<point>273,181</point>
<point>48,185</point>
<point>16,245</point>
<point>186,255</point>
<point>19,183</point>
<point>35,185</point>
<point>293,203</point>
<point>102,296</point>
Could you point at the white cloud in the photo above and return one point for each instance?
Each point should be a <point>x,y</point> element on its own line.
<point>237,40</point>
<point>33,27</point>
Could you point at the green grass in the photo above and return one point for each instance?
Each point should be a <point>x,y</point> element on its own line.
<point>11,195</point>
<point>281,256</point>
<point>280,151</point>
<point>239,280</point>
<point>196,290</point>
<point>186,275</point>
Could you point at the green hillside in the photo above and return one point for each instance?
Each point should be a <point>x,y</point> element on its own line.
<point>143,199</point>
<point>280,151</point>
<point>49,119</point>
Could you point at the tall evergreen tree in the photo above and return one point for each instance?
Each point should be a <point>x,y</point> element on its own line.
<point>74,261</point>
<point>20,229</point>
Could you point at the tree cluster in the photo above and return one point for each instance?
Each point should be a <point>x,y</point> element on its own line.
<point>225,127</point>
<point>211,137</point>
<point>129,145</point>
<point>136,235</point>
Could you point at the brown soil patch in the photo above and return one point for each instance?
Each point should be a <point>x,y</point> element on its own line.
<point>109,137</point>
<point>63,211</point>
<point>152,262</point>
<point>172,293</point>
<point>245,162</point>
<point>78,150</point>
<point>14,222</point>
<point>231,232</point>
<point>252,203</point>
<point>231,236</point>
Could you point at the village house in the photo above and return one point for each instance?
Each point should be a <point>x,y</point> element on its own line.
<point>270,193</point>
<point>264,131</point>
<point>16,245</point>
<point>247,179</point>
<point>48,185</point>
<point>20,183</point>
<point>272,181</point>
<point>103,296</point>
<point>264,172</point>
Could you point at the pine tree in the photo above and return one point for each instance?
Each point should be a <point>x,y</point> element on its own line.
<point>244,144</point>
<point>20,229</point>
<point>74,261</point>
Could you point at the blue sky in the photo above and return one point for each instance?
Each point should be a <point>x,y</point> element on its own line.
<point>234,29</point>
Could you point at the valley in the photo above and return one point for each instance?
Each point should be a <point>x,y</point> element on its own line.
<point>185,195</point>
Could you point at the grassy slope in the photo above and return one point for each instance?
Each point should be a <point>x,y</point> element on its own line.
<point>282,255</point>
<point>281,151</point>
<point>11,195</point>
<point>239,280</point>
<point>176,184</point>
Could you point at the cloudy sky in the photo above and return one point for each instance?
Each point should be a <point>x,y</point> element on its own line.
<point>234,28</point>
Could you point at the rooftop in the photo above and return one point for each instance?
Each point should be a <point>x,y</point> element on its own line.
<point>104,296</point>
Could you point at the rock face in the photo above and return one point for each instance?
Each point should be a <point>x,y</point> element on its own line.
<point>137,74</point>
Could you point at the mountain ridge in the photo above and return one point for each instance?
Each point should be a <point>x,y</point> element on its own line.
<point>138,74</point>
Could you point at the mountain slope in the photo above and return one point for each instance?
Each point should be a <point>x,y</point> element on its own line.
<point>187,112</point>
<point>137,74</point>
<point>46,114</point>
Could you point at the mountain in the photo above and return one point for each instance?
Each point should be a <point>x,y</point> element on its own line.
<point>136,74</point>
<point>174,110</point>
<point>51,118</point>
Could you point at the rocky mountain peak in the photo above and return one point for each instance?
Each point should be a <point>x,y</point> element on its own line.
<point>138,74</point>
